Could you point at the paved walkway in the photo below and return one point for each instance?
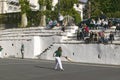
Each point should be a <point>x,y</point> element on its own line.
<point>28,69</point>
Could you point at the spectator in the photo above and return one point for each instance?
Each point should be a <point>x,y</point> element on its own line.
<point>91,35</point>
<point>63,28</point>
<point>98,24</point>
<point>54,23</point>
<point>78,34</point>
<point>111,36</point>
<point>86,30</point>
<point>93,23</point>
<point>61,20</point>
<point>117,28</point>
<point>95,36</point>
<point>105,24</point>
<point>81,35</point>
<point>1,51</point>
<point>101,37</point>
<point>49,26</point>
<point>22,51</point>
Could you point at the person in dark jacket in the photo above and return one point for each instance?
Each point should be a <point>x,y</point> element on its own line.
<point>22,51</point>
<point>111,36</point>
<point>1,51</point>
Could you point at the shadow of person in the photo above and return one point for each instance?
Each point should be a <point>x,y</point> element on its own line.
<point>44,67</point>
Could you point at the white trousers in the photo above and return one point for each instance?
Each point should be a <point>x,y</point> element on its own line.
<point>58,63</point>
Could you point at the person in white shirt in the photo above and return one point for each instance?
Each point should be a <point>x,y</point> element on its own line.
<point>61,18</point>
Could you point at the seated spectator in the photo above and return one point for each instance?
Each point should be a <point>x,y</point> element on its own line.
<point>91,35</point>
<point>95,36</point>
<point>105,40</point>
<point>81,35</point>
<point>101,37</point>
<point>63,28</point>
<point>86,29</point>
<point>49,25</point>
<point>117,27</point>
<point>87,40</point>
<point>54,23</point>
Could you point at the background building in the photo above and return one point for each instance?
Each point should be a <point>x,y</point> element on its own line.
<point>3,6</point>
<point>11,6</point>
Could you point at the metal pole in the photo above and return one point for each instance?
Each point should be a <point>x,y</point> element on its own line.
<point>58,9</point>
<point>89,9</point>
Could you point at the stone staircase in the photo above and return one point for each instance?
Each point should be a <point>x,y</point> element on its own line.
<point>46,39</point>
<point>26,33</point>
<point>69,36</point>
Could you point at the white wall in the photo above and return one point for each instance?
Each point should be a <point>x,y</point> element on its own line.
<point>41,43</point>
<point>88,53</point>
<point>11,48</point>
<point>33,47</point>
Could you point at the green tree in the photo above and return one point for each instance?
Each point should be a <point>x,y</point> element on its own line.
<point>108,7</point>
<point>66,8</point>
<point>25,8</point>
<point>45,8</point>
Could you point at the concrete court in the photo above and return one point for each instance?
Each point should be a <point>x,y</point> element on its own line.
<point>31,69</point>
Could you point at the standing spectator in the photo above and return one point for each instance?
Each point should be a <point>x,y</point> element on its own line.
<point>22,51</point>
<point>78,34</point>
<point>111,36</point>
<point>98,24</point>
<point>61,19</point>
<point>109,23</point>
<point>0,51</point>
<point>58,54</point>
<point>93,23</point>
<point>105,24</point>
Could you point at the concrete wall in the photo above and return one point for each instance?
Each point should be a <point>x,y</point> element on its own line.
<point>32,47</point>
<point>12,48</point>
<point>87,53</point>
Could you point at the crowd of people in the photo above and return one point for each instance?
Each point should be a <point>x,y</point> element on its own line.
<point>53,22</point>
<point>85,33</point>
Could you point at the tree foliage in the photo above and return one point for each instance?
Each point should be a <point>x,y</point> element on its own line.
<point>108,7</point>
<point>66,8</point>
<point>25,6</point>
<point>45,8</point>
